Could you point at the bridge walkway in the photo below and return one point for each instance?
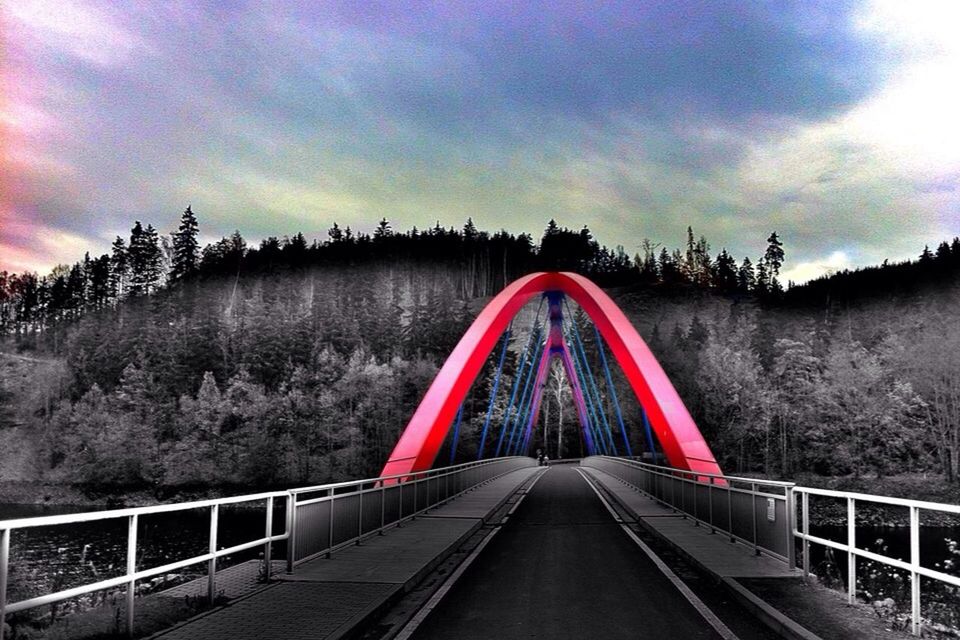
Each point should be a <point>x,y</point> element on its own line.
<point>562,567</point>
<point>713,551</point>
<point>326,598</point>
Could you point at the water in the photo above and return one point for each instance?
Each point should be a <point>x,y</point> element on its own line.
<point>46,559</point>
<point>933,545</point>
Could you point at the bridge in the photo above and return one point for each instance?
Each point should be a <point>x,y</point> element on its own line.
<point>498,546</point>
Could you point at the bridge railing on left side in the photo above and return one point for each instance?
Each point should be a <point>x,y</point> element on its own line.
<point>753,511</point>
<point>327,517</point>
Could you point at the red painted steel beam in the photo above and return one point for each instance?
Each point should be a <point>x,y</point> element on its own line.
<point>680,439</point>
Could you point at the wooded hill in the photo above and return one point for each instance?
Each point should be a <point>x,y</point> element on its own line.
<point>294,363</point>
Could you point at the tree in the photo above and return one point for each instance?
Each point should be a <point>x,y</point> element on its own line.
<point>746,277</point>
<point>145,260</point>
<point>119,269</point>
<point>772,261</point>
<point>186,249</point>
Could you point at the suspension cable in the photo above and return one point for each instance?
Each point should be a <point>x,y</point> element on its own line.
<point>518,374</point>
<point>612,389</point>
<point>592,423</point>
<point>592,384</point>
<point>512,442</point>
<point>493,391</point>
<point>456,432</point>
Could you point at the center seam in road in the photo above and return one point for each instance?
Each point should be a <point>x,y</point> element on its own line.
<point>691,597</point>
<point>410,628</point>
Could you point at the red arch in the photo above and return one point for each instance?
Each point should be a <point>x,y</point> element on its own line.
<point>679,437</point>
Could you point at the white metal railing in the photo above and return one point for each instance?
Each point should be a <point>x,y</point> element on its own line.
<point>415,493</point>
<point>131,575</point>
<point>328,517</point>
<point>753,511</point>
<point>850,547</point>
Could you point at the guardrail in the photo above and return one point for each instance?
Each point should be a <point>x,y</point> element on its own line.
<point>853,552</point>
<point>345,513</point>
<point>755,512</point>
<point>131,574</point>
<point>328,517</point>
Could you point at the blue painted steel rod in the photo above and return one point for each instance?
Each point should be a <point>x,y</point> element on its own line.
<point>592,384</point>
<point>456,432</point>
<point>518,374</point>
<point>613,391</point>
<point>593,423</point>
<point>525,397</point>
<point>493,392</point>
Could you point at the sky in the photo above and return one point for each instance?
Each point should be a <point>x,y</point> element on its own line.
<point>832,123</point>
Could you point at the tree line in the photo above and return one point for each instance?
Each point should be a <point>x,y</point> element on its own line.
<point>148,262</point>
<point>298,363</point>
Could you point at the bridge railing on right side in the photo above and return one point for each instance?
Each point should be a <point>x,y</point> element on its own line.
<point>327,517</point>
<point>753,511</point>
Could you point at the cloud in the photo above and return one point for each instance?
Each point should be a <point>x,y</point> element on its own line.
<point>817,120</point>
<point>836,261</point>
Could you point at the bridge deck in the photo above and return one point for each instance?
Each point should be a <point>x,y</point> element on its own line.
<point>563,568</point>
<point>326,597</point>
<point>713,551</point>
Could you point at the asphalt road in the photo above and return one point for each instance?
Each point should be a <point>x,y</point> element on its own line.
<point>562,568</point>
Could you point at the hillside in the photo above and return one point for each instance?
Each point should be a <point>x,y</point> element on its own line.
<point>304,369</point>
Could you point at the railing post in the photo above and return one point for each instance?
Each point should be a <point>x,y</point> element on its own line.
<point>400,505</point>
<point>753,508</point>
<point>4,568</point>
<point>914,565</point>
<point>131,569</point>
<point>291,530</point>
<point>416,489</point>
<point>212,562</point>
<point>268,547</point>
<point>851,557</point>
<point>359,514</point>
<point>805,508</point>
<point>330,523</point>
<point>383,507</point>
<point>710,503</point>
<point>791,527</point>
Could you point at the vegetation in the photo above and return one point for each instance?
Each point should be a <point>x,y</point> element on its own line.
<point>296,362</point>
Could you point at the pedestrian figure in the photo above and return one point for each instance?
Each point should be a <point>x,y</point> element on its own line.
<point>540,457</point>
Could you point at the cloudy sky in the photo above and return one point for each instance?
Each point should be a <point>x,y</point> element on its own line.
<point>835,123</point>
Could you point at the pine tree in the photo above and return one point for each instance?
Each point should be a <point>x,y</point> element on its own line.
<point>145,259</point>
<point>119,269</point>
<point>746,277</point>
<point>773,257</point>
<point>186,250</point>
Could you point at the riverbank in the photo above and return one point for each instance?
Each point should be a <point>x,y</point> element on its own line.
<point>95,498</point>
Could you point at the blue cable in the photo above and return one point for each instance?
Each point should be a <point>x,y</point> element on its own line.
<point>512,444</point>
<point>493,392</point>
<point>592,384</point>
<point>592,422</point>
<point>456,432</point>
<point>613,391</point>
<point>534,331</point>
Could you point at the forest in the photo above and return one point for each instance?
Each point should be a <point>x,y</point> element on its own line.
<point>298,362</point>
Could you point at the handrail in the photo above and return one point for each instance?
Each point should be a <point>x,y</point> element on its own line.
<point>107,514</point>
<point>715,502</point>
<point>850,547</point>
<point>293,505</point>
<point>699,474</point>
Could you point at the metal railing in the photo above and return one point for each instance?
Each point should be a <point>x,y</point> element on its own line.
<point>853,552</point>
<point>749,510</point>
<point>344,513</point>
<point>131,575</point>
<point>328,517</point>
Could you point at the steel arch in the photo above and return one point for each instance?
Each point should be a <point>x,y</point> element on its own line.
<point>679,437</point>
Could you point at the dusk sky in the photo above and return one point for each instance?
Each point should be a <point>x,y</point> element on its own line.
<point>836,124</point>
